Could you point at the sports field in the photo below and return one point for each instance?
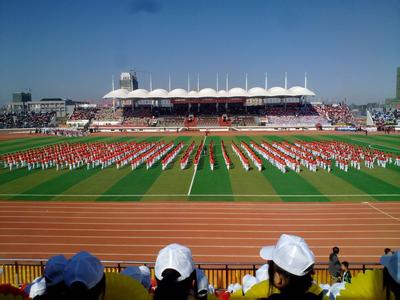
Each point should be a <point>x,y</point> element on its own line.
<point>111,184</point>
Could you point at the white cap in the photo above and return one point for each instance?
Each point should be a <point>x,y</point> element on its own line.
<point>247,282</point>
<point>392,263</point>
<point>38,287</point>
<point>234,287</point>
<point>291,253</point>
<point>141,274</point>
<point>262,273</point>
<point>176,257</point>
<point>202,281</point>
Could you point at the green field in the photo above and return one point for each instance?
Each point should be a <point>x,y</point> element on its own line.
<point>110,184</point>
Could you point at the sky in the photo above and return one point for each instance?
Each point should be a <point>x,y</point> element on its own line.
<point>72,48</point>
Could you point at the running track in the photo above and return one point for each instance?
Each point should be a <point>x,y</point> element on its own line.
<point>216,232</point>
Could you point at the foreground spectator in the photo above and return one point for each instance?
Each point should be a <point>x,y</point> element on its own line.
<point>346,273</point>
<point>174,270</point>
<point>334,265</point>
<point>291,265</point>
<point>382,284</point>
<point>85,278</point>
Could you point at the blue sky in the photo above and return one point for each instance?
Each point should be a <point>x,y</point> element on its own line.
<point>70,49</point>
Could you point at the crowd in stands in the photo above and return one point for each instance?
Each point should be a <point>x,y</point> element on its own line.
<point>109,114</point>
<point>287,274</point>
<point>385,117</point>
<point>81,113</point>
<point>294,114</point>
<point>336,113</point>
<point>26,120</point>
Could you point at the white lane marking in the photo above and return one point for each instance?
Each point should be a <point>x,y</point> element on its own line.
<point>202,224</point>
<point>381,211</point>
<point>285,218</point>
<point>195,171</point>
<point>189,245</point>
<point>185,237</point>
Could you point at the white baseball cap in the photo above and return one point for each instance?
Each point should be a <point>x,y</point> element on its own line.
<point>291,253</point>
<point>247,282</point>
<point>392,264</point>
<point>262,273</point>
<point>175,257</point>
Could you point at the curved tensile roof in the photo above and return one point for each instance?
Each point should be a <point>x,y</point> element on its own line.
<point>236,92</point>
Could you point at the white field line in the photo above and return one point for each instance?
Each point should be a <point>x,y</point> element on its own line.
<point>146,215</point>
<point>202,224</point>
<point>284,218</point>
<point>202,195</point>
<point>186,237</point>
<point>189,205</point>
<point>383,212</point>
<point>48,254</point>
<point>189,245</point>
<point>199,230</point>
<point>195,170</point>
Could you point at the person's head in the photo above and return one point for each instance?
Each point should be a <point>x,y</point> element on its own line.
<point>387,251</point>
<point>174,270</point>
<point>54,277</point>
<point>335,250</point>
<point>291,265</point>
<point>84,277</point>
<point>391,274</point>
<point>345,266</point>
<point>141,274</point>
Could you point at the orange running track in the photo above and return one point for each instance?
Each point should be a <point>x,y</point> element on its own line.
<point>216,232</point>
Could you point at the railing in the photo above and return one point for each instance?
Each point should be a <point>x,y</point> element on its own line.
<point>220,275</point>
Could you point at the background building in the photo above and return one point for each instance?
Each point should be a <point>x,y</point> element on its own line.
<point>128,81</point>
<point>394,102</point>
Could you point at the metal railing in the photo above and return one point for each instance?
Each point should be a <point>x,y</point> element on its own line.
<point>220,275</point>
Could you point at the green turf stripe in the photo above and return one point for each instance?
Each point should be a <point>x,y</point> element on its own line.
<point>23,141</point>
<point>130,182</point>
<point>291,183</point>
<point>173,180</point>
<point>251,182</point>
<point>215,182</point>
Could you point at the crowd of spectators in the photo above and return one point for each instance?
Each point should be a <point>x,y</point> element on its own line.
<point>26,120</point>
<point>388,117</point>
<point>109,114</point>
<point>335,113</point>
<point>294,115</point>
<point>287,274</point>
<point>81,113</point>
<point>61,132</point>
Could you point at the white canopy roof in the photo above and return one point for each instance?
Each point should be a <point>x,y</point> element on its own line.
<point>236,92</point>
<point>120,93</point>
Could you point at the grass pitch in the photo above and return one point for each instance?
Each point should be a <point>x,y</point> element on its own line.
<point>110,184</point>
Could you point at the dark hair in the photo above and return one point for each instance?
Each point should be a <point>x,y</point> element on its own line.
<point>387,250</point>
<point>296,285</point>
<point>335,250</point>
<point>79,291</point>
<point>169,288</point>
<point>346,264</point>
<point>58,291</point>
<point>390,285</point>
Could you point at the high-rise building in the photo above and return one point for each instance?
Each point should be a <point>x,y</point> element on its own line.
<point>398,84</point>
<point>21,97</point>
<point>128,81</point>
<point>393,103</point>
